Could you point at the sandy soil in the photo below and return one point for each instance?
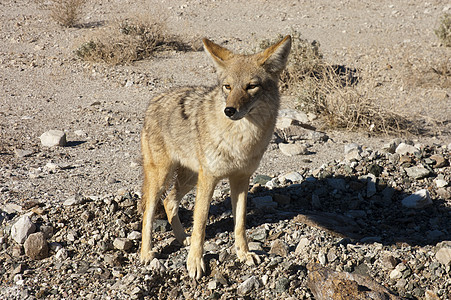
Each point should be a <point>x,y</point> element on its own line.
<point>44,86</point>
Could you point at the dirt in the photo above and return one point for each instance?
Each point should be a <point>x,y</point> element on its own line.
<point>45,86</point>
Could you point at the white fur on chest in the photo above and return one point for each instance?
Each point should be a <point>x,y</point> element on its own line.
<point>236,148</point>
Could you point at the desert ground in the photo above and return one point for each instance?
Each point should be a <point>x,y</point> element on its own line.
<point>46,86</point>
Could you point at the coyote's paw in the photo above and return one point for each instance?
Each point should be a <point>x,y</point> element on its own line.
<point>147,257</point>
<point>249,258</point>
<point>195,266</point>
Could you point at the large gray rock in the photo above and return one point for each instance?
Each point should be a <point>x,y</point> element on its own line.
<point>53,138</point>
<point>36,246</point>
<point>22,229</point>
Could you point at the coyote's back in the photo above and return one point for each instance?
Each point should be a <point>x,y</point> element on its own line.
<point>198,134</point>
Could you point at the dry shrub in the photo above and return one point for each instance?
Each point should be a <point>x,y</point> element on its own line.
<point>340,95</point>
<point>126,41</point>
<point>443,32</point>
<point>66,12</point>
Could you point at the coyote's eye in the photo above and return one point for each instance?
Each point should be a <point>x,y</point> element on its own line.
<point>251,86</point>
<point>227,87</point>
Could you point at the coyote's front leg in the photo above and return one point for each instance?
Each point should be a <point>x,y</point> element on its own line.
<point>238,191</point>
<point>195,262</point>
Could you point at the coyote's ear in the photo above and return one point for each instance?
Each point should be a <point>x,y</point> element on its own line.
<point>219,54</point>
<point>274,58</point>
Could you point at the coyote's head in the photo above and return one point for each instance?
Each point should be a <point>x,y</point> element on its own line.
<point>248,79</point>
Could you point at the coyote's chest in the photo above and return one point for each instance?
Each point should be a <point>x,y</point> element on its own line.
<point>236,148</point>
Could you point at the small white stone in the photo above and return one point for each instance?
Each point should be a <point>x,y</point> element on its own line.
<point>156,265</point>
<point>134,235</point>
<point>440,183</point>
<point>53,138</point>
<point>292,176</point>
<point>292,149</point>
<point>302,245</point>
<point>395,274</point>
<point>22,229</point>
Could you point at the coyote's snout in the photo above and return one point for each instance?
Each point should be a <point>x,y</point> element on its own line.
<point>199,135</point>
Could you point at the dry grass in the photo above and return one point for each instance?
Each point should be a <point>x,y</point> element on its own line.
<point>126,41</point>
<point>341,96</point>
<point>67,13</point>
<point>443,32</point>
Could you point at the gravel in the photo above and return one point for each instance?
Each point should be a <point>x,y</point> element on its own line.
<point>332,218</point>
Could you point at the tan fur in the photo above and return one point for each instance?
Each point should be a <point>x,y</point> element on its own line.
<point>201,135</point>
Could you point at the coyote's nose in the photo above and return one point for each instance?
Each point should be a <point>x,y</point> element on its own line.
<point>229,111</point>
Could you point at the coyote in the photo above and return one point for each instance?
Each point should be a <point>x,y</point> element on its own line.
<point>202,135</point>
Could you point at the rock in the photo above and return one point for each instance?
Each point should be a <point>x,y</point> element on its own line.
<point>404,149</point>
<point>351,147</point>
<point>316,201</point>
<point>387,195</point>
<point>282,199</point>
<point>302,246</point>
<point>389,262</point>
<point>390,147</point>
<point>262,179</point>
<point>371,185</point>
<point>264,202</point>
<point>278,247</point>
<point>337,183</point>
<point>331,255</point>
<point>22,153</point>
<point>322,258</point>
<point>156,265</point>
<point>47,230</point>
<point>317,136</point>
<point>430,295</point>
<point>440,161</point>
<point>328,284</point>
<point>417,172</point>
<point>61,254</point>
<point>353,155</point>
<point>161,225</point>
<point>134,235</point>
<point>293,149</point>
<point>443,255</point>
<point>282,284</point>
<point>395,274</point>
<point>22,229</point>
<point>293,114</point>
<point>259,234</point>
<point>440,183</point>
<point>273,183</point>
<point>255,246</point>
<point>248,285</point>
<point>292,176</point>
<point>53,138</point>
<point>74,200</point>
<point>36,246</point>
<point>283,122</point>
<point>418,199</point>
<point>122,244</point>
